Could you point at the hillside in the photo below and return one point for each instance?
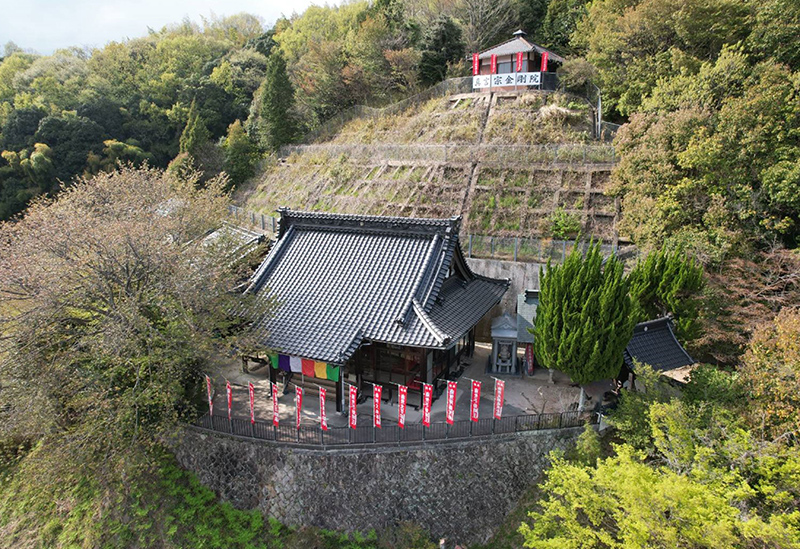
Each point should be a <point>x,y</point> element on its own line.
<point>513,164</point>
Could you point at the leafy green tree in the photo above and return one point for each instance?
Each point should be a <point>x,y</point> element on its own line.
<point>587,447</point>
<point>115,153</point>
<point>529,15</point>
<point>713,171</point>
<point>776,25</point>
<point>20,127</point>
<point>195,134</point>
<point>559,23</point>
<point>277,101</point>
<point>441,45</point>
<point>102,290</point>
<point>71,138</point>
<point>771,376</point>
<point>668,282</point>
<point>624,502</point>
<point>584,320</point>
<point>637,45</point>
<point>240,154</point>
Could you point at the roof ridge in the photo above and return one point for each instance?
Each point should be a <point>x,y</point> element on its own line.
<point>401,319</point>
<point>426,320</point>
<point>512,39</point>
<point>264,268</point>
<point>293,215</point>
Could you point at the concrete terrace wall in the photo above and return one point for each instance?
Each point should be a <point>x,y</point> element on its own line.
<point>524,276</point>
<point>458,490</point>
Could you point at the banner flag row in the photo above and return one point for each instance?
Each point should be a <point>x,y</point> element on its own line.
<point>402,403</point>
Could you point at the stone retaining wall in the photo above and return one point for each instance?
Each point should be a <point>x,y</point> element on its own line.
<point>458,490</point>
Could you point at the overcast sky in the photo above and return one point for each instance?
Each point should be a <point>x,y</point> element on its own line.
<point>46,25</point>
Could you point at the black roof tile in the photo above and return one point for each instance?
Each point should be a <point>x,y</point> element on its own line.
<point>654,343</point>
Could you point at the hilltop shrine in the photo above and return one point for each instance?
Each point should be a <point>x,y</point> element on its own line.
<point>515,64</point>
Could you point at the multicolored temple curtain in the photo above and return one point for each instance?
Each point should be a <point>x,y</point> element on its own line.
<point>308,367</point>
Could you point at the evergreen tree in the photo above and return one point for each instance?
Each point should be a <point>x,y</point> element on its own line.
<point>240,154</point>
<point>584,321</point>
<point>195,134</point>
<point>442,44</point>
<point>277,100</point>
<point>667,282</point>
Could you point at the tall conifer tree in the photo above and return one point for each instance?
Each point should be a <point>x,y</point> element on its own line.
<point>277,100</point>
<point>195,134</point>
<point>584,321</point>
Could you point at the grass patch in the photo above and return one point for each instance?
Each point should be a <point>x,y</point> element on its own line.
<point>490,178</point>
<point>510,201</point>
<point>517,179</point>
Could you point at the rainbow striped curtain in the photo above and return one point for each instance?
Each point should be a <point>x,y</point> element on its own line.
<point>310,368</point>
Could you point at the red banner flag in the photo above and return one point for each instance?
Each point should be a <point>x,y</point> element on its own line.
<point>545,58</point>
<point>494,64</point>
<point>230,397</point>
<point>298,402</point>
<point>451,401</point>
<point>529,357</point>
<point>402,399</point>
<point>252,402</point>
<point>323,419</point>
<point>377,390</point>
<point>427,399</point>
<point>499,395</point>
<point>475,400</point>
<point>476,65</point>
<point>275,407</point>
<point>353,403</point>
<point>519,61</point>
<point>210,396</point>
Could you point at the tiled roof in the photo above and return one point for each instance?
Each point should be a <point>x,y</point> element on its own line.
<point>654,343</point>
<point>516,45</point>
<point>337,280</point>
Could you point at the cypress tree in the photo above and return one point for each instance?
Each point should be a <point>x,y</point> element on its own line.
<point>240,154</point>
<point>584,321</point>
<point>277,100</point>
<point>195,134</point>
<point>667,282</point>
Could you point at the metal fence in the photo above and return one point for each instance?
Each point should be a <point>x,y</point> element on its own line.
<point>525,249</point>
<point>331,126</point>
<point>534,249</point>
<point>308,435</point>
<point>243,217</point>
<point>496,154</point>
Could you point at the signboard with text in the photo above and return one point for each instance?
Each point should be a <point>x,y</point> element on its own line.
<point>508,79</point>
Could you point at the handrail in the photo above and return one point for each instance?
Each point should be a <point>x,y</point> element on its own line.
<point>313,436</point>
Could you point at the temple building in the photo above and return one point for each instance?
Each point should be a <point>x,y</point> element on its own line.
<point>368,300</point>
<point>517,64</point>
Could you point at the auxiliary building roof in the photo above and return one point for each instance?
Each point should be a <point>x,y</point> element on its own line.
<point>333,281</point>
<point>654,343</point>
<point>516,45</point>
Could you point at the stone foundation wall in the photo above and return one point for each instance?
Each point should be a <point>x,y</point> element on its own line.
<point>458,490</point>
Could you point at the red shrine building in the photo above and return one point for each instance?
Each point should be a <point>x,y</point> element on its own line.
<point>515,65</point>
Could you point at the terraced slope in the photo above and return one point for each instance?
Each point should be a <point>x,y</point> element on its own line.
<point>508,163</point>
